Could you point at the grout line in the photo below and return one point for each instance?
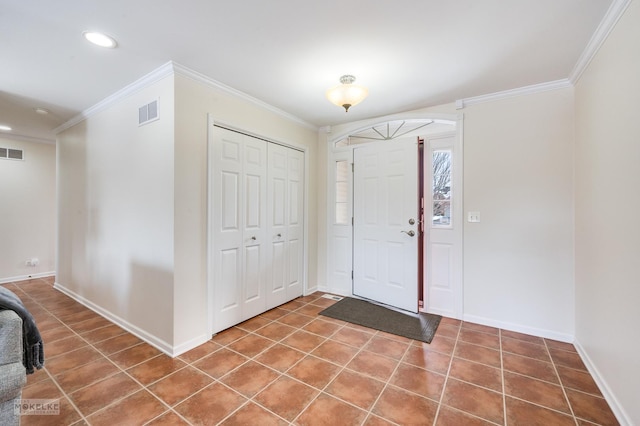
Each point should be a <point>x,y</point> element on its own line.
<point>564,392</point>
<point>446,377</point>
<point>504,393</point>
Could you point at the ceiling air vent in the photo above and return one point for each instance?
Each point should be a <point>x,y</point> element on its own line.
<point>148,113</point>
<point>11,154</point>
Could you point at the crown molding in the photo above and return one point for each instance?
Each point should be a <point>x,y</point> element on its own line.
<point>173,68</point>
<point>23,138</point>
<point>214,84</point>
<point>611,18</point>
<point>520,91</point>
<point>149,79</point>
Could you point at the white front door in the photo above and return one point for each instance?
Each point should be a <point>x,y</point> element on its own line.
<point>386,223</point>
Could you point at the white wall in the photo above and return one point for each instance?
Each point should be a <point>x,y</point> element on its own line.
<point>607,203</point>
<point>116,218</point>
<point>27,210</point>
<point>518,261</point>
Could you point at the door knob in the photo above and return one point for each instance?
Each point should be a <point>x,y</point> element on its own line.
<point>253,238</point>
<point>410,233</point>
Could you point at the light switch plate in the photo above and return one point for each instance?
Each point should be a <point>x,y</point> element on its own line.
<point>474,217</point>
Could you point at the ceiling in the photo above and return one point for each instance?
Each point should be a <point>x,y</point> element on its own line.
<point>287,53</point>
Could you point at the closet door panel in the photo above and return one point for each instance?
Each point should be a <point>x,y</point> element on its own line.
<point>295,229</point>
<point>277,217</point>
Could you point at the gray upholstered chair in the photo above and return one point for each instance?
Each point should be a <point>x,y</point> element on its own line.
<point>12,372</point>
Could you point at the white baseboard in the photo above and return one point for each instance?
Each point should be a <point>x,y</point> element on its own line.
<point>27,277</point>
<point>327,289</point>
<point>154,341</point>
<point>518,328</point>
<point>613,402</point>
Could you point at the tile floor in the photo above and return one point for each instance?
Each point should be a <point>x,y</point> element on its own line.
<point>293,366</point>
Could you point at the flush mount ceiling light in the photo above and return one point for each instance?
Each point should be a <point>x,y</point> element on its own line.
<point>5,128</point>
<point>347,94</point>
<point>100,39</point>
<point>42,111</point>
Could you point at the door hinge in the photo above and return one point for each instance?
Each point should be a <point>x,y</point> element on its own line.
<point>352,221</point>
<point>353,167</point>
<point>351,275</point>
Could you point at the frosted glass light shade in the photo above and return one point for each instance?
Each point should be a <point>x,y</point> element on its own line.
<point>347,94</point>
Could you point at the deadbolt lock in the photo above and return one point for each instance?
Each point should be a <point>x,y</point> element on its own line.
<point>412,221</point>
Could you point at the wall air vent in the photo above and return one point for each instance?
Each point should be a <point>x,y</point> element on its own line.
<point>148,113</point>
<point>11,154</point>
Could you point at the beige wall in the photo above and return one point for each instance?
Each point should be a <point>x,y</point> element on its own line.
<point>27,210</point>
<point>607,201</point>
<point>194,101</point>
<point>518,173</point>
<point>116,217</point>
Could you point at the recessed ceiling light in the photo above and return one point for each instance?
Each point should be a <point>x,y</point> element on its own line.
<point>100,39</point>
<point>5,128</point>
<point>42,111</point>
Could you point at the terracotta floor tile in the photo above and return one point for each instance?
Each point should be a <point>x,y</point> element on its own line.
<point>44,389</point>
<point>286,397</point>
<point>314,371</point>
<point>478,338</point>
<point>136,409</point>
<point>591,408</point>
<point>252,414</point>
<point>254,323</point>
<point>134,355</point>
<point>250,378</point>
<point>292,305</point>
<point>374,365</point>
<point>403,407</point>
<point>427,359</point>
<point>210,405</point>
<point>356,389</point>
<point>103,333</point>
<point>117,343</point>
<point>374,420</point>
<point>80,377</point>
<point>475,400</point>
<point>530,367</point>
<point>37,376</point>
<point>578,379</point>
<point>199,352</point>
<point>328,411</point>
<point>303,341</point>
<point>560,345</point>
<point>325,303</point>
<point>352,337</point>
<point>295,320</point>
<point>395,337</point>
<point>422,382</point>
<point>567,359</point>
<point>250,345</point>
<point>479,354</point>
<point>527,349</point>
<point>478,374</point>
<point>450,417</point>
<point>62,346</point>
<point>311,310</point>
<point>180,385</point>
<point>155,369</point>
<point>90,324</point>
<point>71,360</point>
<point>168,419</point>
<point>276,331</point>
<point>280,357</point>
<point>51,335</point>
<point>480,327</point>
<point>448,331</point>
<point>321,327</point>
<point>220,362</point>
<point>390,348</point>
<point>100,394</point>
<point>229,335</point>
<point>336,352</point>
<point>535,391</point>
<point>523,413</point>
<point>68,415</point>
<point>439,344</point>
<point>274,314</point>
<point>523,337</point>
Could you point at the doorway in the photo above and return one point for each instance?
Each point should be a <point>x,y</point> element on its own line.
<point>348,246</point>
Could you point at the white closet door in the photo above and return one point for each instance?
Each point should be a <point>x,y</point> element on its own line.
<point>239,221</point>
<point>295,232</point>
<point>285,221</point>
